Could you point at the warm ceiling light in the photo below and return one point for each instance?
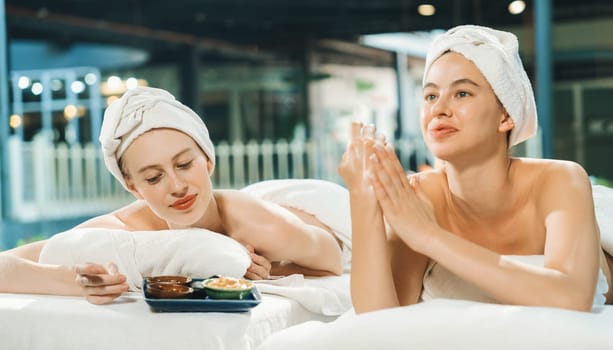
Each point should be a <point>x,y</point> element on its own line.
<point>426,9</point>
<point>111,99</point>
<point>516,7</point>
<point>70,111</point>
<point>15,121</point>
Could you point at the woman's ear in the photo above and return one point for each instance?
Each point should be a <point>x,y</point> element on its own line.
<point>133,189</point>
<point>209,166</point>
<point>506,123</point>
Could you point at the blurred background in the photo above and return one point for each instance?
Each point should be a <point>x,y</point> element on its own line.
<point>276,81</point>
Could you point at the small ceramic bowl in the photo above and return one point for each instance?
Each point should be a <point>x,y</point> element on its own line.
<point>165,290</point>
<point>169,279</point>
<point>227,288</point>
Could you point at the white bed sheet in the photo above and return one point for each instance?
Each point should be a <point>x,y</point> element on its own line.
<point>454,324</point>
<point>55,322</point>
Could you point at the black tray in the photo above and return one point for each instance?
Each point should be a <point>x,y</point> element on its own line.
<point>200,302</point>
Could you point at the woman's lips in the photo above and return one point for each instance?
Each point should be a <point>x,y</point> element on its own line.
<point>442,131</point>
<point>184,203</point>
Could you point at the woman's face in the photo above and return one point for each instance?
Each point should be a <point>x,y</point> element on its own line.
<point>461,115</point>
<point>168,170</point>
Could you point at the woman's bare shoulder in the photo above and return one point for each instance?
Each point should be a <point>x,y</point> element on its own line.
<point>229,198</point>
<point>236,202</point>
<point>136,216</point>
<point>554,181</point>
<point>551,171</point>
<point>432,181</point>
<point>238,207</point>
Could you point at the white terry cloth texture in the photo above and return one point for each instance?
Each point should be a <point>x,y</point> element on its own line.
<point>140,110</point>
<point>327,295</point>
<point>326,201</point>
<point>192,252</point>
<point>603,205</point>
<point>496,54</point>
<point>439,282</point>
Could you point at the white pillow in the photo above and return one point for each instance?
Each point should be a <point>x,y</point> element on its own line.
<point>191,252</point>
<point>454,324</point>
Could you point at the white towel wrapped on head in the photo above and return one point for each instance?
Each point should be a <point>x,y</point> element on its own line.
<point>140,110</point>
<point>496,54</point>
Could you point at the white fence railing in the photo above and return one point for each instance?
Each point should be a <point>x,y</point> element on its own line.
<point>59,181</point>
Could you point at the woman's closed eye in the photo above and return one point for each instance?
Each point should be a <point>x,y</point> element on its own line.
<point>153,179</point>
<point>185,165</point>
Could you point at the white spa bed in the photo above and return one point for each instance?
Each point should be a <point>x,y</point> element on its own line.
<point>55,322</point>
<point>461,324</point>
<point>454,324</point>
<point>52,322</point>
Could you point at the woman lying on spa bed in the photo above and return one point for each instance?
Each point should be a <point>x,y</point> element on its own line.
<point>454,231</point>
<point>160,151</point>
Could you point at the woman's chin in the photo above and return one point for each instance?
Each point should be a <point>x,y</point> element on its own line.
<point>181,223</point>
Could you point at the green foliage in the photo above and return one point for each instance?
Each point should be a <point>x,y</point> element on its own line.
<point>364,85</point>
<point>601,181</point>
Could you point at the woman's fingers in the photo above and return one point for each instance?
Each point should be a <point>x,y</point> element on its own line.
<point>380,192</point>
<point>356,131</point>
<point>100,285</point>
<point>398,169</point>
<point>384,167</point>
<point>100,279</point>
<point>259,268</point>
<point>101,300</point>
<point>380,138</point>
<point>255,272</point>
<point>112,268</point>
<point>106,290</point>
<point>90,269</point>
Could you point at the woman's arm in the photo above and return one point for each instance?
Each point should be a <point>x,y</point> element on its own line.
<point>372,281</point>
<point>408,268</point>
<point>278,234</point>
<point>569,276</point>
<point>20,272</point>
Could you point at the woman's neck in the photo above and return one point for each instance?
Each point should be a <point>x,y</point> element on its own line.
<point>211,220</point>
<point>480,190</point>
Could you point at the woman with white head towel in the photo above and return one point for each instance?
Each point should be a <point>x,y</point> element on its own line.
<point>160,151</point>
<point>483,226</point>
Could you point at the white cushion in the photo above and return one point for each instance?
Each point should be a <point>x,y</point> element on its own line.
<point>191,252</point>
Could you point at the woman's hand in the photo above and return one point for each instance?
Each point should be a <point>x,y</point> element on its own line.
<point>100,284</point>
<point>354,164</point>
<point>403,202</point>
<point>259,268</point>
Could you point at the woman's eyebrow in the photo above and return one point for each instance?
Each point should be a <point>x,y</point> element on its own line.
<point>143,169</point>
<point>454,83</point>
<point>464,81</point>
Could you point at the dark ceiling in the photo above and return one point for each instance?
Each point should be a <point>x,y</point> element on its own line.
<point>248,28</point>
